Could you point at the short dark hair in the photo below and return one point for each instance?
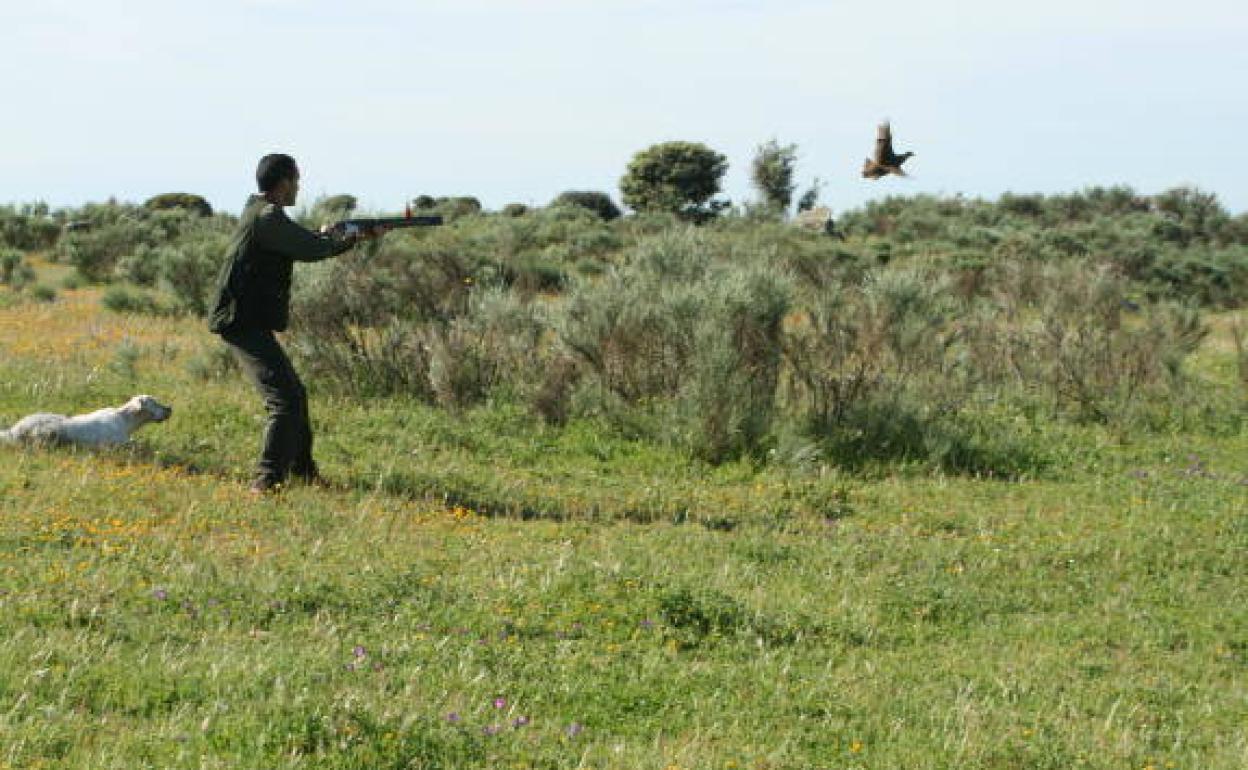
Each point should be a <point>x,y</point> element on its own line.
<point>273,168</point>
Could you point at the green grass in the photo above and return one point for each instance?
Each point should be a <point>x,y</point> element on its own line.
<point>631,607</point>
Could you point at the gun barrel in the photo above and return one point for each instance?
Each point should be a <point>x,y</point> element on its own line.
<point>390,223</point>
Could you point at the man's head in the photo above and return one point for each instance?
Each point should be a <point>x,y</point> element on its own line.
<point>277,175</point>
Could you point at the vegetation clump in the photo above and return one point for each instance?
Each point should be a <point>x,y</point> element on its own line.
<point>598,202</point>
<point>196,204</point>
<point>678,178</point>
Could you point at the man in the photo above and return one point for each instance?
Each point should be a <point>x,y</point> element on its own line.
<point>253,302</point>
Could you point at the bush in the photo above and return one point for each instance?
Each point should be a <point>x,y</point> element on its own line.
<point>676,325</point>
<point>1198,212</point>
<point>117,232</point>
<point>887,333</point>
<point>395,323</point>
<point>598,202</point>
<point>1209,275</point>
<point>327,210</point>
<point>95,252</point>
<point>195,204</point>
<point>771,171</point>
<point>737,363</point>
<point>456,207</point>
<point>190,269</point>
<point>14,272</point>
<point>122,299</point>
<point>28,227</point>
<point>142,266</point>
<point>635,328</point>
<point>675,177</point>
<point>212,362</point>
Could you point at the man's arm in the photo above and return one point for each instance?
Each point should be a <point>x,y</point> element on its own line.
<point>276,232</point>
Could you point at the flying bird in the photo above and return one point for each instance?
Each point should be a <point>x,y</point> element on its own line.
<point>884,161</point>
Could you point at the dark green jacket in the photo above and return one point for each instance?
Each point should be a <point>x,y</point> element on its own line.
<point>253,287</point>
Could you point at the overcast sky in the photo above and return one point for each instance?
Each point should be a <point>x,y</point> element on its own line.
<point>518,101</point>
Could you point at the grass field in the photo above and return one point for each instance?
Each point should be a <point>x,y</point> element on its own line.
<point>484,591</point>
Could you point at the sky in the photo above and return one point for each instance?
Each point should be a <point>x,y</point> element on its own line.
<point>519,101</point>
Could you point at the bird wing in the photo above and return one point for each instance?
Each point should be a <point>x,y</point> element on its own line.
<point>884,145</point>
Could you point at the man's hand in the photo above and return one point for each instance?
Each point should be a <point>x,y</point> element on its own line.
<point>353,234</point>
<point>351,237</point>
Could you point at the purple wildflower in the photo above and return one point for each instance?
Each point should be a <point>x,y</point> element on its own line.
<point>491,729</point>
<point>359,651</point>
<point>575,729</point>
<point>500,703</point>
<point>452,717</point>
<point>161,594</point>
<point>519,722</point>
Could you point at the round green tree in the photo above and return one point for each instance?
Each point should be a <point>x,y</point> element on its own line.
<point>771,171</point>
<point>598,202</point>
<point>676,177</point>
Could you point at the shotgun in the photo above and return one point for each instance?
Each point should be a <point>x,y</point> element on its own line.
<point>352,226</point>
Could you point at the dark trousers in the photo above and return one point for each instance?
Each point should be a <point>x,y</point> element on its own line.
<point>288,434</point>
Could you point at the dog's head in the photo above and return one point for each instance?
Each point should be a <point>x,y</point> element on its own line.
<point>148,409</point>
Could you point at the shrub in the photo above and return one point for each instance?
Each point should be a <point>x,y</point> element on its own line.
<point>373,324</point>
<point>189,202</point>
<point>95,252</point>
<point>327,210</point>
<point>190,268</point>
<point>531,275</point>
<point>1209,275</point>
<point>552,399</point>
<point>675,325</point>
<point>117,232</point>
<point>457,207</point>
<point>853,341</point>
<point>212,362</point>
<point>497,341</point>
<point>1197,211</point>
<point>28,227</point>
<point>675,177</point>
<point>598,202</point>
<point>771,171</point>
<point>142,266</point>
<point>122,299</point>
<point>1067,334</point>
<point>737,363</point>
<point>515,210</point>
<point>14,271</point>
<point>635,328</point>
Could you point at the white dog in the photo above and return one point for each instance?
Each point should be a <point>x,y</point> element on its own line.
<point>103,427</point>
